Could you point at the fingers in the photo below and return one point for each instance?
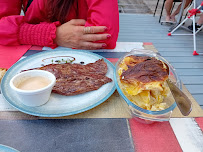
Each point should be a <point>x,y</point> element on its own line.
<point>88,29</point>
<point>75,35</point>
<point>90,39</point>
<point>94,29</point>
<point>77,22</point>
<point>95,37</point>
<point>92,46</point>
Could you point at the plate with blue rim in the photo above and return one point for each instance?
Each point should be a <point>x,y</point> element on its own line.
<point>4,148</point>
<point>59,105</point>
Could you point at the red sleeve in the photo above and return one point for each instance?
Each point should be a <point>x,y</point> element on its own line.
<point>15,31</point>
<point>104,13</point>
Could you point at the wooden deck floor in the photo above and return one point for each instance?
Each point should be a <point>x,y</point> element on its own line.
<point>176,49</point>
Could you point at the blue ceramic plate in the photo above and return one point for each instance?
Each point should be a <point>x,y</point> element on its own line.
<point>4,148</point>
<point>59,105</point>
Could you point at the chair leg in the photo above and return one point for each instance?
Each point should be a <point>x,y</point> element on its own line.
<point>162,10</point>
<point>156,7</point>
<point>172,7</point>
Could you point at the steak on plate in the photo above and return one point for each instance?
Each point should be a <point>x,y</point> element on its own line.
<point>73,79</point>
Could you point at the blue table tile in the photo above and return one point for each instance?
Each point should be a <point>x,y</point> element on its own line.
<point>72,135</point>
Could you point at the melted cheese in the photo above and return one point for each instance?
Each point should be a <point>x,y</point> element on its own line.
<point>147,96</point>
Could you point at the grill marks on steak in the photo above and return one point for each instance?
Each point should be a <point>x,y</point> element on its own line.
<point>76,85</point>
<point>73,79</point>
<point>59,70</point>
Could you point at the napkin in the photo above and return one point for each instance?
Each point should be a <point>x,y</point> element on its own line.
<point>11,54</point>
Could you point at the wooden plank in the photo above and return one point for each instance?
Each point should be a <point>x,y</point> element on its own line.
<point>179,54</point>
<point>155,38</point>
<point>172,59</point>
<point>148,37</point>
<point>192,72</point>
<point>141,38</point>
<point>194,89</point>
<point>162,32</point>
<point>197,80</point>
<point>199,97</point>
<point>188,65</point>
<point>178,45</point>
<point>151,20</point>
<point>174,49</point>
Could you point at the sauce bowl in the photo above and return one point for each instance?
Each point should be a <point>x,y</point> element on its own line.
<point>36,97</point>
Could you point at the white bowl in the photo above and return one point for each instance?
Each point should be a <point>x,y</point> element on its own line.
<point>36,97</point>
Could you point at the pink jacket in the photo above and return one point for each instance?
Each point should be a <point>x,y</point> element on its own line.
<point>34,29</point>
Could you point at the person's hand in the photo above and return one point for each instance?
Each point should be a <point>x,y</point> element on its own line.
<point>74,34</point>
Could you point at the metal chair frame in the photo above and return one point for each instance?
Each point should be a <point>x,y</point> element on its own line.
<point>163,8</point>
<point>194,30</point>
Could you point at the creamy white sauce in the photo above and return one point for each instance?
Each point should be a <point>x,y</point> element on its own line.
<point>34,83</point>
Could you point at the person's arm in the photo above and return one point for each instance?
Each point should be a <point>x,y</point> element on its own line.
<point>104,13</point>
<point>15,31</point>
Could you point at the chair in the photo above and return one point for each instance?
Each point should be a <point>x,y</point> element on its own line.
<point>163,7</point>
<point>192,13</point>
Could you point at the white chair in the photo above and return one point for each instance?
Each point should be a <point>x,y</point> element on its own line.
<point>192,13</point>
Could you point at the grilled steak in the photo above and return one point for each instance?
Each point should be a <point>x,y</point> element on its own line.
<point>73,79</point>
<point>73,85</point>
<point>98,67</point>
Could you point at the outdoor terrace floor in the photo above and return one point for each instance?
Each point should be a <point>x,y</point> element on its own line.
<point>176,49</point>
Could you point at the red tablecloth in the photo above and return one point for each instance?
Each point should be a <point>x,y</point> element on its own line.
<point>11,54</point>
